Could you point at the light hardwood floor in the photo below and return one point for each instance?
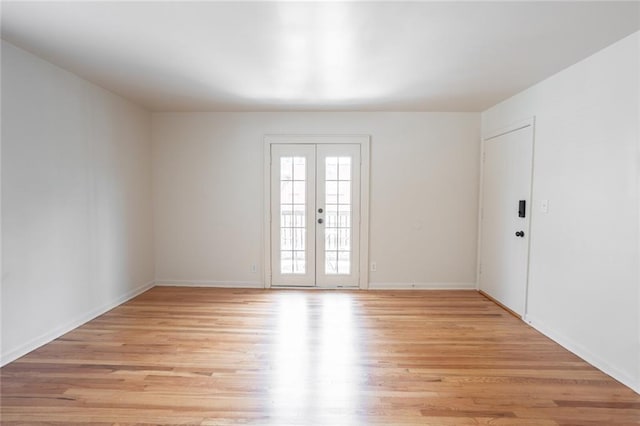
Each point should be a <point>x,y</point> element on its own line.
<point>293,357</point>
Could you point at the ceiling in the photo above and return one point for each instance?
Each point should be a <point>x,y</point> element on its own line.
<point>274,56</point>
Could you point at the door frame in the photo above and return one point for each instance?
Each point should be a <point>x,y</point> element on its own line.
<point>364,141</point>
<point>518,125</point>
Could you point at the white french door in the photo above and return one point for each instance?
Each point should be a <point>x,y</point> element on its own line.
<point>293,189</point>
<point>337,214</point>
<point>315,215</point>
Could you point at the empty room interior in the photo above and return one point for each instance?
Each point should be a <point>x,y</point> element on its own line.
<point>320,213</point>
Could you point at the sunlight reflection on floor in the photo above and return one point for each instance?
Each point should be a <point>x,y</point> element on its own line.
<point>320,385</point>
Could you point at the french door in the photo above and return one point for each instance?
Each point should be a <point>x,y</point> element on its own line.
<point>315,215</point>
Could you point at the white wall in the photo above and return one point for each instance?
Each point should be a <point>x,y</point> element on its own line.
<point>76,200</point>
<point>584,264</point>
<point>208,193</point>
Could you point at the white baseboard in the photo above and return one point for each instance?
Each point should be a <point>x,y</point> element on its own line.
<point>584,353</point>
<point>372,286</point>
<point>45,338</point>
<point>422,286</point>
<point>221,284</point>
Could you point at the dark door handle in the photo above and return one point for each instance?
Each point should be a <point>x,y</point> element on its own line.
<point>320,210</point>
<point>320,220</point>
<point>520,234</point>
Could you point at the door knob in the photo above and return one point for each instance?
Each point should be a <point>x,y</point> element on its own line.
<point>320,220</point>
<point>520,234</point>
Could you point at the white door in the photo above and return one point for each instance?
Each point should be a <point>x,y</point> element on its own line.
<point>315,215</point>
<point>293,184</point>
<point>506,211</point>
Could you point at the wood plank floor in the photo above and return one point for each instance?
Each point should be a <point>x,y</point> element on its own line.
<point>283,357</point>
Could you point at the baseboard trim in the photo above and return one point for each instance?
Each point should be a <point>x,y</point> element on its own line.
<point>45,338</point>
<point>219,284</point>
<point>514,313</point>
<point>583,353</point>
<point>421,286</point>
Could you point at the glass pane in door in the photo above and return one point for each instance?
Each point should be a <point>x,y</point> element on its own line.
<point>293,230</point>
<point>337,231</point>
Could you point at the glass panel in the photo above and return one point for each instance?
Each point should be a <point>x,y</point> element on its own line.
<point>331,167</point>
<point>286,262</point>
<point>286,218</point>
<point>344,216</point>
<point>344,170</point>
<point>299,238</point>
<point>331,263</point>
<point>344,192</point>
<point>292,215</point>
<point>299,192</point>
<point>286,192</point>
<point>286,241</point>
<point>299,168</point>
<point>299,216</point>
<point>338,215</point>
<point>299,263</point>
<point>331,216</point>
<point>344,262</point>
<point>344,239</point>
<point>331,239</point>
<point>286,168</point>
<point>331,192</point>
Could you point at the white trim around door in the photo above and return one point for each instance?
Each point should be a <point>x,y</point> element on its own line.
<point>524,172</point>
<point>275,142</point>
